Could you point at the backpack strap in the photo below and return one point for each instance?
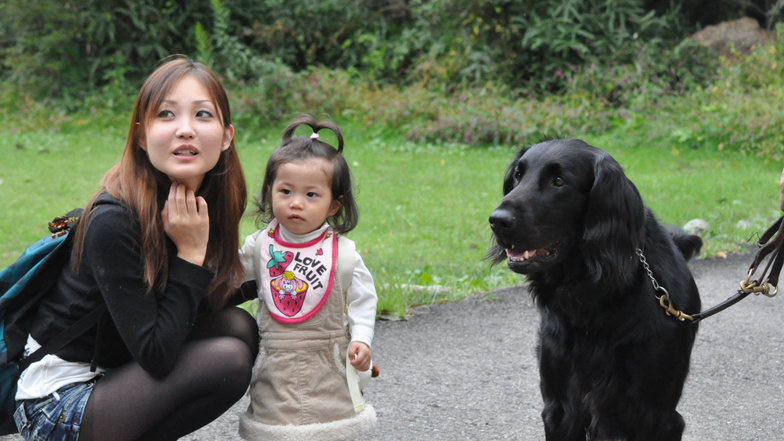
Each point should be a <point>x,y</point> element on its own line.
<point>30,279</point>
<point>347,251</point>
<point>352,378</point>
<point>59,227</point>
<point>81,326</point>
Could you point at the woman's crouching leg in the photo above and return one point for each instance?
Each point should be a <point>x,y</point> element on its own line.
<point>210,375</point>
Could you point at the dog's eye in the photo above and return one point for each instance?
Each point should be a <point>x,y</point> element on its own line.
<point>518,174</point>
<point>559,181</point>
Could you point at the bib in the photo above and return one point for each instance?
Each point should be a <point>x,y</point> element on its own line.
<point>296,278</point>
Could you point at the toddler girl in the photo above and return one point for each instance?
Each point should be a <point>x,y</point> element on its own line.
<point>317,296</point>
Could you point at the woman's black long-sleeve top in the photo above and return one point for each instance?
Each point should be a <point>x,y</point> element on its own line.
<point>136,325</point>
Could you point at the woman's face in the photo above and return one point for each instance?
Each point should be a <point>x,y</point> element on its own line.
<point>186,136</point>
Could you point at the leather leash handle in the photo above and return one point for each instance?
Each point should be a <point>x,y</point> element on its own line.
<point>773,269</point>
<point>767,248</point>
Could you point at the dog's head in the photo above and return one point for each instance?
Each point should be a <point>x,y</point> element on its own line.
<point>564,197</point>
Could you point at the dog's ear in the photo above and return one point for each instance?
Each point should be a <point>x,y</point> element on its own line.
<point>510,171</point>
<point>614,224</point>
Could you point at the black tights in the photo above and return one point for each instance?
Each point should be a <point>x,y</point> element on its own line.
<point>212,372</point>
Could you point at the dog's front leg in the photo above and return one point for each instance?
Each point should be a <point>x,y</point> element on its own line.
<point>563,414</point>
<point>562,421</point>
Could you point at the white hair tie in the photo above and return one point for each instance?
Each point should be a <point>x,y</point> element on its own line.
<point>314,135</point>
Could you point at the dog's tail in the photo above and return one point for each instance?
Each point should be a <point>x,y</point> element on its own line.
<point>688,244</point>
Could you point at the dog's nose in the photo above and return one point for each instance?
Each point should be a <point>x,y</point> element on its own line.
<point>501,219</point>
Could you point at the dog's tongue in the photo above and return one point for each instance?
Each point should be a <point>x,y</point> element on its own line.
<point>520,254</point>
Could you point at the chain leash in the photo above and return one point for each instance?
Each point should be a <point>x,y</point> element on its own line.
<point>664,298</point>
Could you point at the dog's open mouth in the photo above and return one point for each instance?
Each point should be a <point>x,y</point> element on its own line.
<point>521,257</point>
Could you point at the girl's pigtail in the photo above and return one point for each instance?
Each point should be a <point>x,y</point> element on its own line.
<point>307,120</point>
<point>331,126</point>
<point>302,120</point>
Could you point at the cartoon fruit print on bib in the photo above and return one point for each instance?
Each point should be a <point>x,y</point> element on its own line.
<point>288,292</point>
<point>279,262</point>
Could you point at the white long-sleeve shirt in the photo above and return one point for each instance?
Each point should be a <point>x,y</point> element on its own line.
<point>361,296</point>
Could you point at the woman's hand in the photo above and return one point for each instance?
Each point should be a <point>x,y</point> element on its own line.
<point>360,356</point>
<point>187,223</point>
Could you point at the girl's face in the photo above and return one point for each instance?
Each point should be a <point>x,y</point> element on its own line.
<point>302,196</point>
<point>186,136</point>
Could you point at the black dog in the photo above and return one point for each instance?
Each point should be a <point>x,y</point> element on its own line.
<point>612,363</point>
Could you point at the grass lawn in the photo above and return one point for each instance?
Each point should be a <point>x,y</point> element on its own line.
<point>423,208</point>
<point>738,194</point>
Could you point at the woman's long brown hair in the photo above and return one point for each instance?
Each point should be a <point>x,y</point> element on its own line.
<point>136,182</point>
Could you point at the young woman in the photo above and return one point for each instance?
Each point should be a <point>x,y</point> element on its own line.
<point>158,246</point>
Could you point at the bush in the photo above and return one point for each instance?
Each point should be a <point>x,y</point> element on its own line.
<point>454,90</point>
<point>650,76</point>
<point>60,49</point>
<point>491,114</point>
<point>742,109</point>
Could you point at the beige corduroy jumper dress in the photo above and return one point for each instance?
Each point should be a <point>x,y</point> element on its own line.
<point>299,388</point>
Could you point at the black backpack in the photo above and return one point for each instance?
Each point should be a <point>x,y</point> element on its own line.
<point>22,285</point>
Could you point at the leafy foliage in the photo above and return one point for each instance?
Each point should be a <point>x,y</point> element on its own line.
<point>566,34</point>
<point>59,49</point>
<point>742,109</point>
<point>307,32</point>
<point>650,76</point>
<point>234,59</point>
<point>468,71</point>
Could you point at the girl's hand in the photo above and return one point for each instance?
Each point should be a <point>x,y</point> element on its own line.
<point>360,356</point>
<point>187,223</point>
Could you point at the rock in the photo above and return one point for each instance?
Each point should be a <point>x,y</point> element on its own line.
<point>745,34</point>
<point>697,227</point>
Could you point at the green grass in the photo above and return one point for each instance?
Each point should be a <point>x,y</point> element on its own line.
<point>724,187</point>
<point>423,208</point>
